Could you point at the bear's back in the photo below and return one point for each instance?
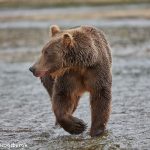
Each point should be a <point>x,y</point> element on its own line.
<point>100,41</point>
<point>91,46</point>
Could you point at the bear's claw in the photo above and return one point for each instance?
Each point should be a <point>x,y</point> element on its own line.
<point>78,126</point>
<point>97,133</point>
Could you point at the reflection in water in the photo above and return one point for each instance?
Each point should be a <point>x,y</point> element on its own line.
<point>84,142</point>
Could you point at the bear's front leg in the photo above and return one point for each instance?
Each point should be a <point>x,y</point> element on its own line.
<point>48,83</point>
<point>100,109</point>
<point>64,102</point>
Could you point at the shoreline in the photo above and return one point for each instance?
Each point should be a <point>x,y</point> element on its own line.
<point>65,3</point>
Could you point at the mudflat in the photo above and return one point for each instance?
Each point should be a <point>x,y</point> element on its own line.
<point>25,110</point>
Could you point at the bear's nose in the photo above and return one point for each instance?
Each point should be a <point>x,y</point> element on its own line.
<point>32,69</point>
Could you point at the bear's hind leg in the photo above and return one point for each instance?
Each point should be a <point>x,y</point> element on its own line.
<point>100,109</point>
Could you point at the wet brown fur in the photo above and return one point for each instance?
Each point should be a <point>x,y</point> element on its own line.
<point>79,61</point>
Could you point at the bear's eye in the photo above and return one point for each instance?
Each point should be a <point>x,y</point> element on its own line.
<point>46,52</point>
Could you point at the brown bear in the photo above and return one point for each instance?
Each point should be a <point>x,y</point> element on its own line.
<point>72,62</point>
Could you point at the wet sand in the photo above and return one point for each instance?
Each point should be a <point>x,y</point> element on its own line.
<point>25,110</point>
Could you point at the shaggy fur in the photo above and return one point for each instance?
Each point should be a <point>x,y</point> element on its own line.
<point>72,62</point>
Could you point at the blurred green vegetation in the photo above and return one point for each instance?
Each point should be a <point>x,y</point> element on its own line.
<point>61,3</point>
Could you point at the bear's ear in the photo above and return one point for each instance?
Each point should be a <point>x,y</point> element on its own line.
<point>54,29</point>
<point>67,39</point>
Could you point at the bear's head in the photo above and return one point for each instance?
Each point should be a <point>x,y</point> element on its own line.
<point>67,49</point>
<point>52,56</point>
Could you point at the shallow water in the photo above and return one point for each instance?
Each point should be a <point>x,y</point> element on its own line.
<point>70,23</point>
<point>103,16</point>
<point>25,109</point>
<point>26,115</point>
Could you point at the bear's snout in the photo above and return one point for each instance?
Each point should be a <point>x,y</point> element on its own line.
<point>36,72</point>
<point>32,69</point>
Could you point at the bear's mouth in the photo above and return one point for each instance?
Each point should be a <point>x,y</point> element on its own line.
<point>40,73</point>
<point>53,72</point>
